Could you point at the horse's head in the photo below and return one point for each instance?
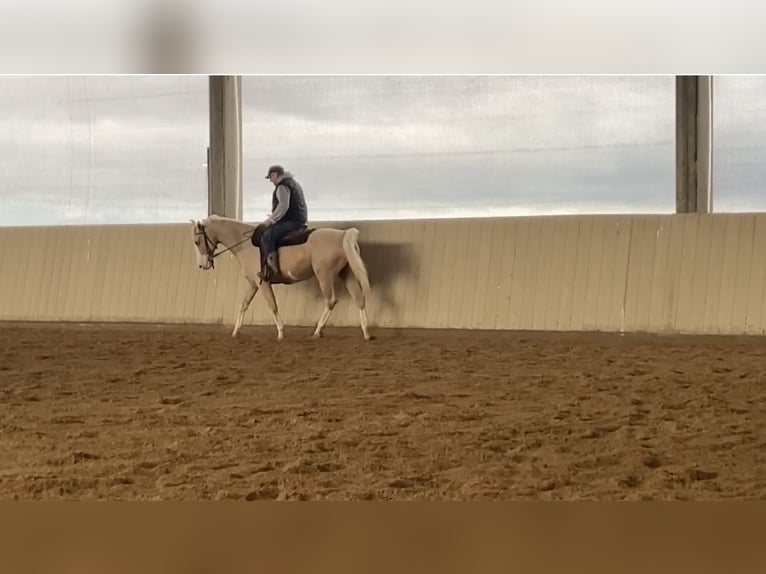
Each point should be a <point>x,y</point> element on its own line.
<point>205,244</point>
<point>215,230</point>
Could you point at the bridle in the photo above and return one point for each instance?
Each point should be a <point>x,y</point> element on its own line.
<point>210,246</point>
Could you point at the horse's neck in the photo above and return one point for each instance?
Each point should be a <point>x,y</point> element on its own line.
<point>231,233</point>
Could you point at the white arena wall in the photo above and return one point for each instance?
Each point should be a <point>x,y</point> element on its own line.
<point>659,273</point>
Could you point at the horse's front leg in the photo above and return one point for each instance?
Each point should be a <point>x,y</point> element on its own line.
<point>252,289</point>
<point>268,294</point>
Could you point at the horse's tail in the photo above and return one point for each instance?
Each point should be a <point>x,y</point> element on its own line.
<point>358,268</point>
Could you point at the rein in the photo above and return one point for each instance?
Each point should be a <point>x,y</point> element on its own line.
<point>210,247</point>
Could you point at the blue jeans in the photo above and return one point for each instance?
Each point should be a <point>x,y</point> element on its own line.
<point>272,236</point>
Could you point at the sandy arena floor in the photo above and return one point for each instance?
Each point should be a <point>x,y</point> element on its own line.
<point>180,412</point>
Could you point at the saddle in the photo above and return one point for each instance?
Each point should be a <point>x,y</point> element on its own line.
<point>296,237</point>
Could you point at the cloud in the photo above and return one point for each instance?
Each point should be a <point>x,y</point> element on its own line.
<point>132,149</point>
<point>545,181</point>
<point>356,115</point>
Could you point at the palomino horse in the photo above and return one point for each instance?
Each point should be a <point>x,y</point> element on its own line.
<point>324,253</point>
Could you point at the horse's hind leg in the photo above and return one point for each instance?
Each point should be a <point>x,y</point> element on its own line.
<point>327,285</point>
<point>268,294</point>
<point>246,300</point>
<point>355,290</point>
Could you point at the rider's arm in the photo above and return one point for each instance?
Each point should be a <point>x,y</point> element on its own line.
<point>283,202</point>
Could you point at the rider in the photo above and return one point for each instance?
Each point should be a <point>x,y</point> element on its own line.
<point>288,213</point>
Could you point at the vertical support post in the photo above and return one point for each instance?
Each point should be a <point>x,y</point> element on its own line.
<point>694,144</point>
<point>225,153</point>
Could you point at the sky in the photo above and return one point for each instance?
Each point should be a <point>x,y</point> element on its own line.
<point>132,149</point>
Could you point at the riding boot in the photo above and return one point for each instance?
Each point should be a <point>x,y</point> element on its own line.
<point>272,265</point>
<point>264,273</point>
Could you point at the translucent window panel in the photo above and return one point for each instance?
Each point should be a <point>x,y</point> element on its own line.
<point>422,146</point>
<point>739,143</point>
<point>103,149</point>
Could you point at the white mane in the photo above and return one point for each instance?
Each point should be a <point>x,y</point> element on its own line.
<point>214,217</point>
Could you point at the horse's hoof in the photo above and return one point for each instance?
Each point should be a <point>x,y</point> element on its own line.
<point>316,335</point>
